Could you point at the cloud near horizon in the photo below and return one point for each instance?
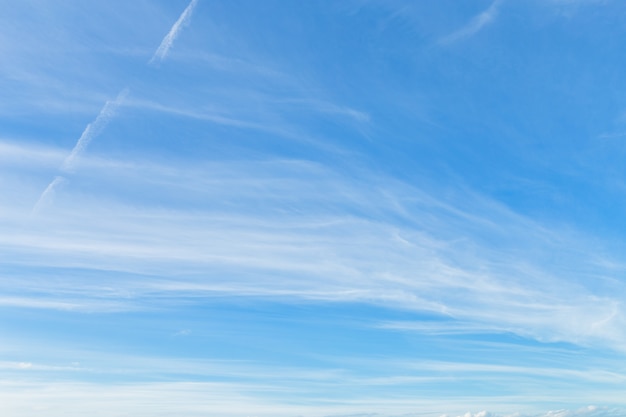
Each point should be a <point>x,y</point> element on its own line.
<point>311,211</point>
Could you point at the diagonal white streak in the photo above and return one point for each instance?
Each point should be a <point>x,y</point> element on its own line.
<point>48,193</point>
<point>474,26</point>
<point>168,40</point>
<point>93,129</point>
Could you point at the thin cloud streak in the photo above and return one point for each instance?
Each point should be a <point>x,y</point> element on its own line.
<point>474,26</point>
<point>13,153</point>
<point>278,127</point>
<point>247,121</point>
<point>297,243</point>
<point>93,129</point>
<point>161,53</point>
<point>48,194</point>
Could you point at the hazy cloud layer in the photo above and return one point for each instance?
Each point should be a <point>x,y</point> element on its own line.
<point>314,210</point>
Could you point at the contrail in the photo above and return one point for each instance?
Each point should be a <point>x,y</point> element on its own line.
<point>93,129</point>
<point>168,40</point>
<point>48,193</point>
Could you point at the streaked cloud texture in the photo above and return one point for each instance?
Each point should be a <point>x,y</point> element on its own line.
<point>354,208</point>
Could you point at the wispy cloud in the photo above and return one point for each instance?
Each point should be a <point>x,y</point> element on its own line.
<point>48,194</point>
<point>259,257</point>
<point>167,42</point>
<point>474,26</point>
<point>297,242</point>
<point>108,111</point>
<point>93,129</point>
<point>62,398</point>
<point>19,156</point>
<point>280,386</point>
<point>330,108</point>
<point>235,115</point>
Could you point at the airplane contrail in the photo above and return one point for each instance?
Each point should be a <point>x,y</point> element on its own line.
<point>48,193</point>
<point>168,40</point>
<point>107,112</point>
<point>93,129</point>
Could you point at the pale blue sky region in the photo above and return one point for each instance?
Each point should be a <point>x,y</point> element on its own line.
<point>312,208</point>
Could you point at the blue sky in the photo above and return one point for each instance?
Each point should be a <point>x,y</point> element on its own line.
<point>316,208</point>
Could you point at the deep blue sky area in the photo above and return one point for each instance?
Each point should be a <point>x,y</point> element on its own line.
<point>312,208</point>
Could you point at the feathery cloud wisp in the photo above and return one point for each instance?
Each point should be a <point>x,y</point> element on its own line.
<point>474,26</point>
<point>168,40</point>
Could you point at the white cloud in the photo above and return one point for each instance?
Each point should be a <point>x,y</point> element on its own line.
<point>233,113</point>
<point>17,154</point>
<point>477,23</point>
<point>48,194</point>
<point>93,129</point>
<point>589,411</point>
<point>192,399</point>
<point>298,242</point>
<point>161,53</point>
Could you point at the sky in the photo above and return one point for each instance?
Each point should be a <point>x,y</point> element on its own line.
<point>280,208</point>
